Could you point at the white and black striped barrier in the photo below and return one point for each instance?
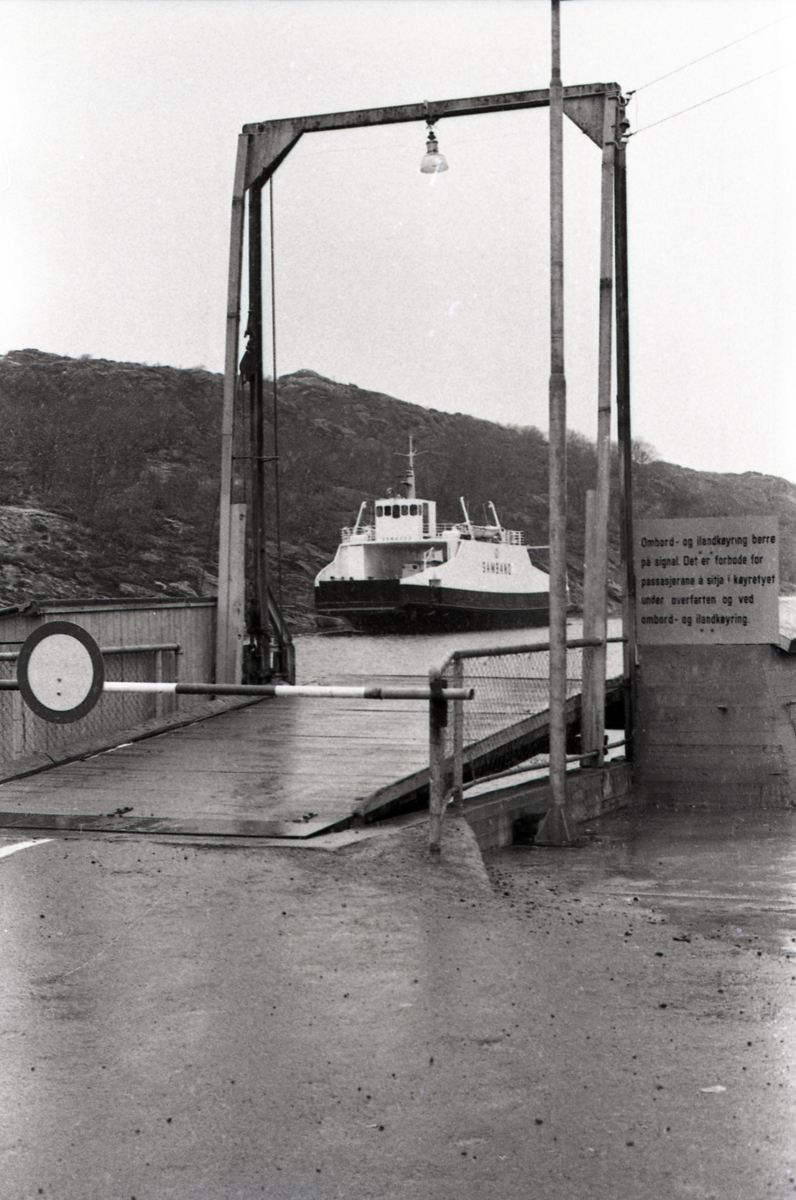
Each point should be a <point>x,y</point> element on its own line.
<point>61,676</point>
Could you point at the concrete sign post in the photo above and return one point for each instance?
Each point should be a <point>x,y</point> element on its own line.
<point>711,580</point>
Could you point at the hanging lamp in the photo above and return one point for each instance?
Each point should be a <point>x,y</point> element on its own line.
<point>433,162</point>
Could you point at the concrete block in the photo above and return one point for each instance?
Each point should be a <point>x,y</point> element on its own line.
<point>590,793</point>
<point>714,725</point>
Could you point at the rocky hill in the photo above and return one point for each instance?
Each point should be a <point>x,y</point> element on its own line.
<point>109,478</point>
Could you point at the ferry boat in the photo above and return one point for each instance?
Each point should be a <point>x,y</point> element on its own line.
<point>398,570</point>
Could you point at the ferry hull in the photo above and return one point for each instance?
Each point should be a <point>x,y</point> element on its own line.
<point>384,606</point>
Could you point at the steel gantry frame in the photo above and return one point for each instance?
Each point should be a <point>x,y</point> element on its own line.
<point>598,111</point>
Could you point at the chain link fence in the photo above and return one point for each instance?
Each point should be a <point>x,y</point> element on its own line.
<point>509,687</point>
<point>24,735</point>
<point>495,732</point>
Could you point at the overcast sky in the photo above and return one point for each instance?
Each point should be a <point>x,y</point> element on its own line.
<point>120,120</point>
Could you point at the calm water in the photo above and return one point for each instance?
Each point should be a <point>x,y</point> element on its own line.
<point>325,658</point>
<point>331,658</point>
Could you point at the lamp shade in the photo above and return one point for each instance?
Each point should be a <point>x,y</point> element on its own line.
<point>433,162</point>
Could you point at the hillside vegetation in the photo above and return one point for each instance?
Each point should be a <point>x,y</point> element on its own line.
<point>109,478</point>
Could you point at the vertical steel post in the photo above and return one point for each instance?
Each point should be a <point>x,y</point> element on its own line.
<point>591,737</point>
<point>237,587</point>
<point>595,617</point>
<point>437,721</point>
<point>228,634</point>
<point>258,618</point>
<point>555,826</point>
<point>457,680</point>
<point>624,436</point>
<point>277,490</point>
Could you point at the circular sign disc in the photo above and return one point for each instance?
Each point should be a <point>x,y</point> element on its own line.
<point>60,672</point>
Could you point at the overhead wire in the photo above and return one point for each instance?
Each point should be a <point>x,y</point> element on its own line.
<point>702,57</point>
<point>699,103</point>
<point>632,92</point>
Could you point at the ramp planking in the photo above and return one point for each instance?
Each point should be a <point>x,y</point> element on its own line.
<point>278,768</point>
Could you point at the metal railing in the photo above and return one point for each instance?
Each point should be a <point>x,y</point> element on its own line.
<point>484,533</point>
<point>366,533</point>
<point>511,686</point>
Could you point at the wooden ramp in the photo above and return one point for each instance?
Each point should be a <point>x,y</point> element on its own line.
<point>274,769</point>
<point>277,769</point>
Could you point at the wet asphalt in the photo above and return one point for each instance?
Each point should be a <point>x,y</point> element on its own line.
<point>208,1019</point>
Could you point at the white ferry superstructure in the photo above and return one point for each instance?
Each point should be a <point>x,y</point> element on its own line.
<point>398,570</point>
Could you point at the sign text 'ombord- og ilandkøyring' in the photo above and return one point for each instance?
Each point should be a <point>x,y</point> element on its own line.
<point>712,579</point>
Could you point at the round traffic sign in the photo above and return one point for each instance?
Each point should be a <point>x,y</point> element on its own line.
<point>60,672</point>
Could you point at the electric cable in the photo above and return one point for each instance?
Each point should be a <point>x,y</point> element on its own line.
<point>702,57</point>
<point>699,103</point>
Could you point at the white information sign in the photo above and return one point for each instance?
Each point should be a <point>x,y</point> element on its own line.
<point>707,580</point>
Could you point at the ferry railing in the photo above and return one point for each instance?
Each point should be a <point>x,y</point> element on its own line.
<point>484,533</point>
<point>366,532</point>
<point>511,684</point>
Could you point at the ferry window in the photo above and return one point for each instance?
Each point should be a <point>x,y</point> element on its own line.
<point>404,510</point>
<point>412,510</point>
<point>378,510</point>
<point>396,510</point>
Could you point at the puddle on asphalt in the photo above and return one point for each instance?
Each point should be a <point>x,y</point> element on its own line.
<point>730,874</point>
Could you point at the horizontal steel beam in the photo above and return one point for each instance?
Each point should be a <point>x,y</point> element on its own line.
<point>433,109</point>
<point>268,143</point>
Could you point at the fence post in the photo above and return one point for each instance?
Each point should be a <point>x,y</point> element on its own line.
<point>437,721</point>
<point>458,734</point>
<point>18,728</point>
<point>159,697</point>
